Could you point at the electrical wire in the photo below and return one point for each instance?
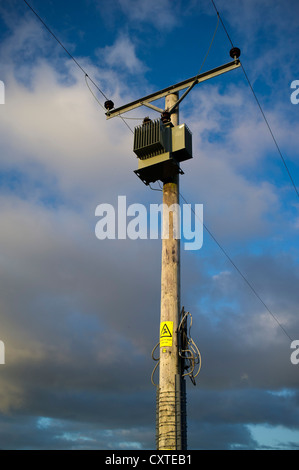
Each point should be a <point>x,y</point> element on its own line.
<point>65,49</point>
<point>240,272</point>
<point>218,14</point>
<point>195,81</point>
<point>210,46</point>
<point>259,105</point>
<point>130,118</point>
<point>76,62</point>
<point>230,40</point>
<point>98,101</point>
<point>157,359</point>
<point>103,94</point>
<point>271,132</point>
<point>87,84</point>
<point>124,121</point>
<point>284,163</point>
<point>189,352</point>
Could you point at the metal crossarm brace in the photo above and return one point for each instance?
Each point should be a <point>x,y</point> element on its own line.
<point>189,83</point>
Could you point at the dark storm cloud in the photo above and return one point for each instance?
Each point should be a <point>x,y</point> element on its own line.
<point>79,316</point>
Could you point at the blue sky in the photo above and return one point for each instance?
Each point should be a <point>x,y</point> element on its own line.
<point>79,316</point>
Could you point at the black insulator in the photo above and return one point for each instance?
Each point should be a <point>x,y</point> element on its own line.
<point>235,53</point>
<point>109,105</point>
<point>146,121</point>
<point>165,117</point>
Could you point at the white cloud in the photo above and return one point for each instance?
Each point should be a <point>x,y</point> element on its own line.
<point>79,316</point>
<point>122,55</point>
<point>57,131</point>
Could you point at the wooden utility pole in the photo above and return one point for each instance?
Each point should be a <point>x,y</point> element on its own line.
<point>157,161</point>
<point>169,393</point>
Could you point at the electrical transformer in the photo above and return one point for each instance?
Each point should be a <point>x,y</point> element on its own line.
<point>160,148</point>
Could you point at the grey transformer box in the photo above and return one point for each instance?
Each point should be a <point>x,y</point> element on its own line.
<point>160,148</point>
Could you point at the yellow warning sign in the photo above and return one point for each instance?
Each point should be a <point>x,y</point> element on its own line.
<point>166,332</point>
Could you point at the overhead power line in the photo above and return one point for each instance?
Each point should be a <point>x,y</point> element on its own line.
<point>240,272</point>
<point>229,38</point>
<point>210,46</point>
<point>271,132</point>
<point>206,228</point>
<point>65,49</point>
<point>76,62</point>
<point>259,105</point>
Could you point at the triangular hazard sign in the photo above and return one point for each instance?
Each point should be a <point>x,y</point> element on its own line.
<point>165,332</point>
